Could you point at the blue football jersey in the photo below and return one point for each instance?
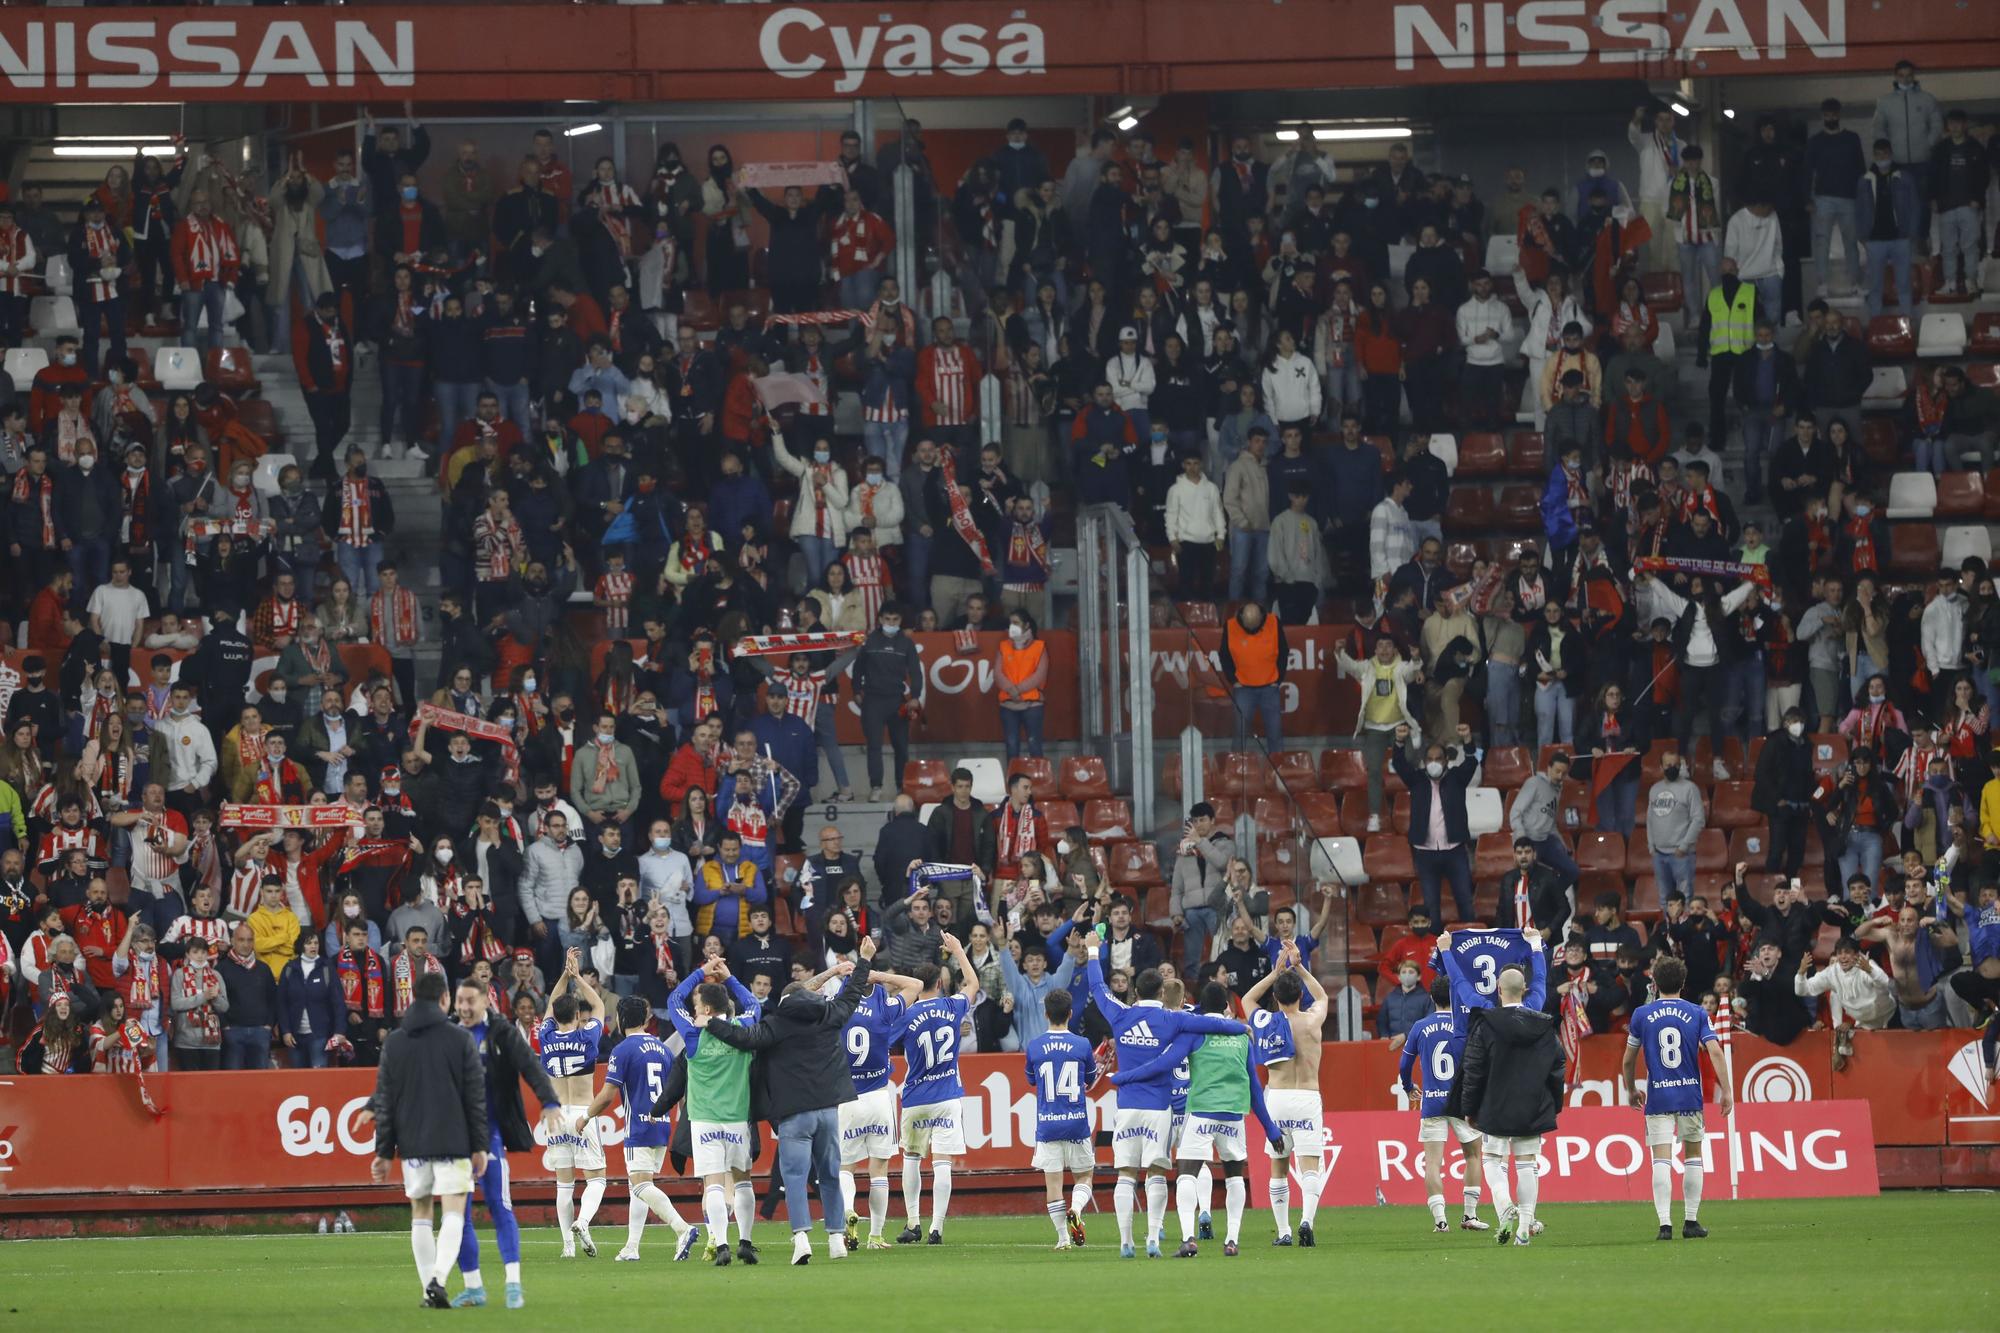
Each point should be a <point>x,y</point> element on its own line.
<point>1670,1034</point>
<point>1434,1046</point>
<point>929,1031</point>
<point>868,1038</point>
<point>1271,1037</point>
<point>1474,963</point>
<point>565,1054</point>
<point>1062,1068</point>
<point>1142,1031</point>
<point>639,1067</point>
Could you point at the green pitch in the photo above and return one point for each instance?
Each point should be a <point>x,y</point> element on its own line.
<point>1903,1261</point>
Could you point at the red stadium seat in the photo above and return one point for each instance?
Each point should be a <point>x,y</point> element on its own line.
<point>1983,375</point>
<point>1470,509</point>
<point>927,780</point>
<point>1062,815</point>
<point>1362,950</point>
<point>1136,865</point>
<point>229,369</point>
<point>1041,774</point>
<point>1992,488</point>
<point>1881,444</point>
<point>1170,774</point>
<point>1107,820</point>
<point>1272,815</point>
<point>1914,550</point>
<point>1985,334</point>
<point>1198,615</point>
<point>1892,338</point>
<point>757,300</point>
<point>1342,770</point>
<point>1482,454</point>
<point>1507,767</point>
<point>1494,856</point>
<point>1711,852</point>
<point>1386,856</point>
<point>1600,851</point>
<point>1321,811</point>
<point>1354,814</point>
<point>1294,768</point>
<point>1279,862</point>
<point>1663,291</point>
<point>1961,495</point>
<point>1528,454</point>
<point>1399,812</point>
<point>1729,807</point>
<point>1829,754</point>
<point>258,415</point>
<point>1084,778</point>
<point>142,359</point>
<point>1519,509</point>
<point>1241,774</point>
<point>698,310</point>
<point>1385,447</point>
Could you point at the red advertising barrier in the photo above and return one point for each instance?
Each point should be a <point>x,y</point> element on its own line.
<point>1801,1128</point>
<point>964,48</point>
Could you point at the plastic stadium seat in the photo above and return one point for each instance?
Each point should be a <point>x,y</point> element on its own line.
<point>1279,862</point>
<point>989,780</point>
<point>1729,806</point>
<point>1482,455</point>
<point>1444,448</point>
<point>1399,812</point>
<point>1962,542</point>
<point>1912,495</point>
<point>268,468</point>
<point>1506,767</point>
<point>698,309</point>
<point>1992,485</point>
<point>1170,775</point>
<point>1321,812</point>
<point>229,369</point>
<point>1338,859</point>
<point>1198,615</point>
<point>1600,851</point>
<point>56,276</point>
<point>1664,346</point>
<point>1887,388</point>
<point>1136,865</point>
<point>1493,856</point>
<point>1528,454</point>
<point>1986,334</point>
<point>53,314</point>
<point>1638,851</point>
<point>1354,814</point>
<point>1294,768</point>
<point>1881,444</point>
<point>1574,807</point>
<point>1711,852</point>
<point>1503,255</point>
<point>1386,856</point>
<point>1829,754</point>
<point>1752,843</point>
<point>1913,549</point>
<point>1062,815</point>
<point>927,780</point>
<point>177,368</point>
<point>1960,495</point>
<point>1892,338</point>
<point>1470,509</point>
<point>1084,778</point>
<point>1272,815</point>
<point>1342,770</point>
<point>1041,775</point>
<point>1362,950</point>
<point>1519,509</point>
<point>23,364</point>
<point>1385,447</point>
<point>1942,335</point>
<point>1484,810</point>
<point>258,415</point>
<point>1983,375</point>
<point>1241,774</point>
<point>1663,292</point>
<point>1107,820</point>
<point>757,300</point>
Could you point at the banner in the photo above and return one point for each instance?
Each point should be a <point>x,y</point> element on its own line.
<point>1802,1130</point>
<point>330,816</point>
<point>781,175</point>
<point>947,48</point>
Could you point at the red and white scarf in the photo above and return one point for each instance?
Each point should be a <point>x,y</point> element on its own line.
<point>1027,547</point>
<point>962,521</point>
<point>614,590</point>
<point>1020,831</point>
<point>357,526</point>
<point>191,983</point>
<point>1865,559</point>
<point>40,492</point>
<point>211,248</point>
<point>394,618</point>
<point>361,988</point>
<point>404,974</point>
<point>100,242</point>
<point>137,496</point>
<point>246,884</point>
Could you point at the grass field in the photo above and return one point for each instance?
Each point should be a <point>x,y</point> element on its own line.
<point>1903,1261</point>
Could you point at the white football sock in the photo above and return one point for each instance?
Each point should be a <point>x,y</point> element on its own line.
<point>1697,1171</point>
<point>514,1271</point>
<point>652,1197</point>
<point>913,1189</point>
<point>423,1244</point>
<point>878,1204</point>
<point>1436,1202</point>
<point>1059,1219</point>
<point>1281,1199</point>
<point>635,1221</point>
<point>1471,1196</point>
<point>1156,1209</point>
<point>1205,1180</point>
<point>1496,1182</point>
<point>1079,1197</point>
<point>1528,1185</point>
<point>451,1230</point>
<point>1123,1197</point>
<point>715,1208</point>
<point>1663,1190</point>
<point>746,1209</point>
<point>940,1193</point>
<point>565,1213</point>
<point>847,1193</point>
<point>471,1279</point>
<point>1236,1190</point>
<point>593,1194</point>
<point>1184,1204</point>
<point>1312,1182</point>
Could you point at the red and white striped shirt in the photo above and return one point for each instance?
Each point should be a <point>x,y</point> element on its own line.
<point>948,384</point>
<point>859,243</point>
<point>151,864</point>
<point>815,372</point>
<point>870,576</point>
<point>802,696</point>
<point>210,928</point>
<point>245,886</point>
<point>615,592</point>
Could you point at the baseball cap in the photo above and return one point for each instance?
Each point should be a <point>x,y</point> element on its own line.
<point>1128,334</point>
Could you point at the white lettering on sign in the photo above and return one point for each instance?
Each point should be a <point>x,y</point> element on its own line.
<point>796,43</point>
<point>1541,34</point>
<point>129,54</point>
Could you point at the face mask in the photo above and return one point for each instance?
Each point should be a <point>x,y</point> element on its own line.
<point>1764,346</point>
<point>443,856</point>
<point>277,696</point>
<point>1371,203</point>
<point>353,909</point>
<point>409,194</point>
<point>1862,511</point>
<point>1018,633</point>
<point>1883,166</point>
<point>528,684</point>
<point>68,358</point>
<point>85,462</point>
<point>663,844</point>
<point>605,738</point>
<point>1434,768</point>
<point>566,715</point>
<point>136,470</point>
<point>116,376</point>
<point>1672,772</point>
<point>892,630</point>
<point>360,469</point>
<point>874,479</point>
<point>822,456</point>
<point>1795,729</point>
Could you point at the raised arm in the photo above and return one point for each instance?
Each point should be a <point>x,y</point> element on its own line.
<point>1177,1050</point>
<point>1107,1003</point>
<point>1257,1107</point>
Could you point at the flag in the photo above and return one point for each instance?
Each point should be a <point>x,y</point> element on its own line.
<point>1574,1028</point>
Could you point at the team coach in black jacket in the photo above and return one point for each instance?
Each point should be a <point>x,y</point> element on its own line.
<point>801,1079</point>
<point>430,1109</point>
<point>1511,1087</point>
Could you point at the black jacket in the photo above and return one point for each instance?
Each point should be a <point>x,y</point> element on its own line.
<point>801,1061</point>
<point>430,1091</point>
<point>903,839</point>
<point>1453,785</point>
<point>1784,773</point>
<point>885,665</point>
<point>509,1059</point>
<point>1548,898</point>
<point>1511,1084</point>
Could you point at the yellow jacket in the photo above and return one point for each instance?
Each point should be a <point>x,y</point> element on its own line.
<point>275,936</point>
<point>1989,813</point>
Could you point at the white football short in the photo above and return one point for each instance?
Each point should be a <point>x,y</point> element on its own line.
<point>1444,1128</point>
<point>719,1147</point>
<point>567,1150</point>
<point>1662,1130</point>
<point>645,1161</point>
<point>1297,1110</point>
<point>1529,1146</point>
<point>934,1130</point>
<point>1071,1155</point>
<point>1207,1138</point>
<point>868,1127</point>
<point>1142,1140</point>
<point>427,1176</point>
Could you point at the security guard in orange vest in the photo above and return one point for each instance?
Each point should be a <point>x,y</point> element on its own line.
<point>1253,663</point>
<point>1023,666</point>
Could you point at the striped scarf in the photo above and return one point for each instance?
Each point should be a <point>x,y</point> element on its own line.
<point>192,982</point>
<point>962,521</point>
<point>357,526</point>
<point>393,618</point>
<point>361,987</point>
<point>404,974</point>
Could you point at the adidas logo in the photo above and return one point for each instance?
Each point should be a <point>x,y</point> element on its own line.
<point>1141,1034</point>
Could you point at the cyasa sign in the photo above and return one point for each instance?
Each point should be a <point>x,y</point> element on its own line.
<point>799,43</point>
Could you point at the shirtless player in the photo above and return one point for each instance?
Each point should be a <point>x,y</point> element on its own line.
<point>1292,1096</point>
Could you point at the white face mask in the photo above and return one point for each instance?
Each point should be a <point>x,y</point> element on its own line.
<point>1796,728</point>
<point>528,684</point>
<point>892,629</point>
<point>443,856</point>
<point>1018,633</point>
<point>605,738</point>
<point>1062,847</point>
<point>85,462</point>
<point>663,844</point>
<point>1434,768</point>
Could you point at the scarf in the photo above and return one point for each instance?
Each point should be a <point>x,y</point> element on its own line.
<point>614,591</point>
<point>356,525</point>
<point>318,656</point>
<point>203,1018</point>
<point>1819,543</point>
<point>245,507</point>
<point>1913,768</point>
<point>695,551</point>
<point>361,983</point>
<point>393,617</point>
<point>40,492</point>
<point>101,243</point>
<point>1759,574</point>
<point>611,200</point>
<point>404,974</point>
<point>605,771</point>
<point>747,820</point>
<point>1027,548</point>
<point>211,246</point>
<point>446,720</point>
<point>1020,832</point>
<point>1862,534</point>
<point>137,495</point>
<point>784,645</point>
<point>962,521</point>
<point>1875,719</point>
<point>266,816</point>
<point>663,956</point>
<point>206,859</point>
<point>145,984</point>
<point>1575,1027</point>
<point>480,941</point>
<point>250,749</point>
<point>1524,912</point>
<point>336,349</point>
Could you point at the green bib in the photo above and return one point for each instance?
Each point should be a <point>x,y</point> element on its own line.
<point>1219,1073</point>
<point>718,1083</point>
